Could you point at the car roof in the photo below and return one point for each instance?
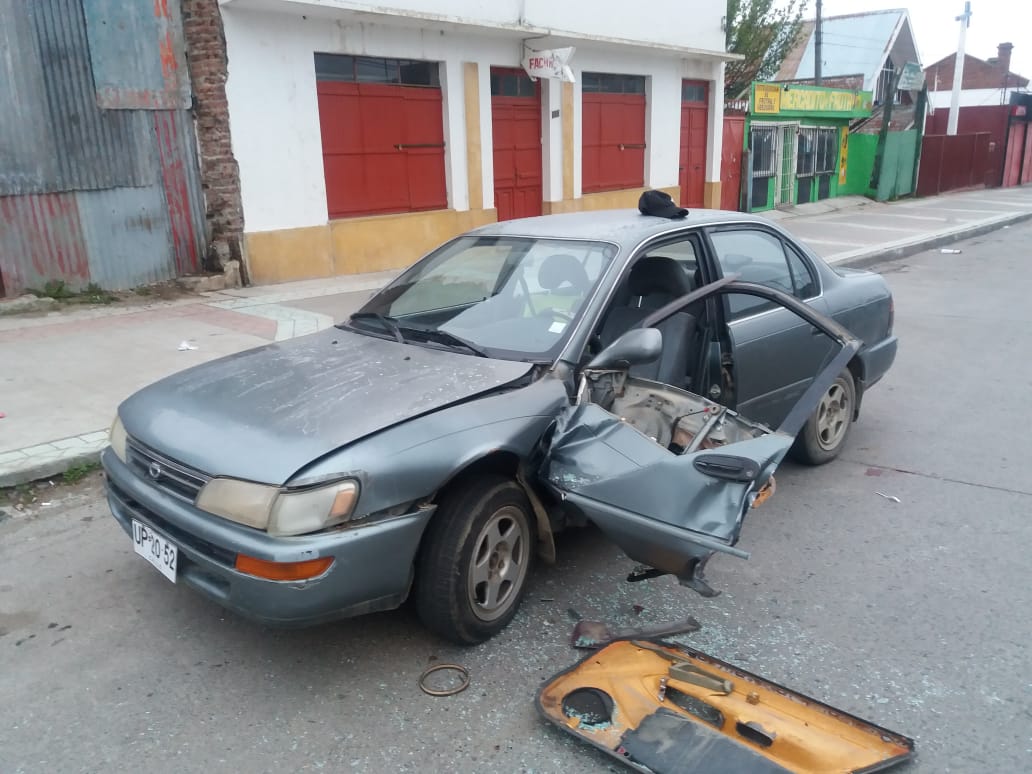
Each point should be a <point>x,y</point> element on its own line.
<point>624,227</point>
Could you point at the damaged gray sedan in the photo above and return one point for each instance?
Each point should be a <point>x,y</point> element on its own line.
<point>644,374</point>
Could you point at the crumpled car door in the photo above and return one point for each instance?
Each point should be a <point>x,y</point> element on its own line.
<point>670,476</point>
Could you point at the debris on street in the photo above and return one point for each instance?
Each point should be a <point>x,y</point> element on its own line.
<point>595,634</point>
<point>185,346</point>
<point>449,690</point>
<point>889,497</point>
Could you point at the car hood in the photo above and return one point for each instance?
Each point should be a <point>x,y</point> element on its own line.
<point>263,414</point>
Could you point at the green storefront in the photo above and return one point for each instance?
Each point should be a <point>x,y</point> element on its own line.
<point>798,142</point>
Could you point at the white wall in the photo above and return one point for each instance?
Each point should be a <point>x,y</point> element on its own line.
<point>274,112</point>
<point>274,115</point>
<point>971,97</point>
<point>681,23</point>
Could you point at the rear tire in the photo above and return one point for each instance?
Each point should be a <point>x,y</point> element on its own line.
<point>825,432</point>
<point>472,570</point>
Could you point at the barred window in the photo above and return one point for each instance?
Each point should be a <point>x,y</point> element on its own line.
<point>763,145</point>
<point>816,151</point>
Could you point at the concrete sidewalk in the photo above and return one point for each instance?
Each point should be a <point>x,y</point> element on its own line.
<point>62,375</point>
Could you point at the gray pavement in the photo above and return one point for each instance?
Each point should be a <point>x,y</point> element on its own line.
<point>911,614</point>
<point>62,375</point>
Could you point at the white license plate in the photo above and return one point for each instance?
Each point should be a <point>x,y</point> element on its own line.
<point>156,549</point>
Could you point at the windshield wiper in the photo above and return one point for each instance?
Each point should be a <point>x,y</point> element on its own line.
<point>448,339</point>
<point>389,323</point>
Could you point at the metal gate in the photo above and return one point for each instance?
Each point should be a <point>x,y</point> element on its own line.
<point>784,192</point>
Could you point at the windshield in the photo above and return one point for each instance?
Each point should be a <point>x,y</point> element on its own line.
<point>506,297</point>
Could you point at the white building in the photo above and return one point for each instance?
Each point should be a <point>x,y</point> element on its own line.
<point>366,133</point>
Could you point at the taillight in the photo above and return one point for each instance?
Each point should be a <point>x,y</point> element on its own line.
<point>892,315</point>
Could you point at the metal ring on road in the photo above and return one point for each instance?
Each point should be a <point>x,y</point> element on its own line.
<point>446,691</point>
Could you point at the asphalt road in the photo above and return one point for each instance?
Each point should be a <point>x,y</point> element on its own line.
<point>913,614</point>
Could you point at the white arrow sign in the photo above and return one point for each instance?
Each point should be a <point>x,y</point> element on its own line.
<point>550,63</point>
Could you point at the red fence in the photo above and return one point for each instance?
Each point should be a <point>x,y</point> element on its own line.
<point>975,120</point>
<point>950,162</point>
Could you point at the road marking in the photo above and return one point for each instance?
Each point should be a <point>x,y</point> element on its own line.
<point>870,226</point>
<point>913,217</point>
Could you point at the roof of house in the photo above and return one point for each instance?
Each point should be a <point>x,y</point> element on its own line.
<point>853,43</point>
<point>978,74</point>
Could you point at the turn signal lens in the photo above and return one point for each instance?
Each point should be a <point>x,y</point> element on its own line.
<point>117,438</point>
<point>282,571</point>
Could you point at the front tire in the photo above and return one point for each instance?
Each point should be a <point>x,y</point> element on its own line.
<point>472,570</point>
<point>824,434</point>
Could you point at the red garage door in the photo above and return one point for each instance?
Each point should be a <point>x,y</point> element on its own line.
<point>516,126</point>
<point>382,135</point>
<point>613,132</point>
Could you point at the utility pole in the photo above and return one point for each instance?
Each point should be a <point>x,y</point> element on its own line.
<point>818,46</point>
<point>958,70</point>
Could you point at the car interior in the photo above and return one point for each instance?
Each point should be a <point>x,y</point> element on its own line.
<point>656,279</point>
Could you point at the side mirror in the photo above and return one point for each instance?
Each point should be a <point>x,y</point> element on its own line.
<point>637,346</point>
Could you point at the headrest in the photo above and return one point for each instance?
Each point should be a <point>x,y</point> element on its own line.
<point>658,274</point>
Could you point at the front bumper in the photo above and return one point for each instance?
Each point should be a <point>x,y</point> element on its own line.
<point>372,568</point>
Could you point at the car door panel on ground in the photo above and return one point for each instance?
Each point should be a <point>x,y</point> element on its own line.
<point>776,354</point>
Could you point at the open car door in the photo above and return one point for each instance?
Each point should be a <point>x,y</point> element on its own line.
<point>668,475</point>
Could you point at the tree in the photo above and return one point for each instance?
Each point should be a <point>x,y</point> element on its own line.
<point>763,32</point>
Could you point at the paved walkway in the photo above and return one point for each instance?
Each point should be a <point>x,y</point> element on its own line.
<point>62,375</point>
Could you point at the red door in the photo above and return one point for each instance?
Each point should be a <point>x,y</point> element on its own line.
<point>731,162</point>
<point>516,124</point>
<point>694,118</point>
<point>1026,170</point>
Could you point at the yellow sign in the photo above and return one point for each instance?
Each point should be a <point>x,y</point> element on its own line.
<point>768,98</point>
<point>843,154</point>
<point>818,101</point>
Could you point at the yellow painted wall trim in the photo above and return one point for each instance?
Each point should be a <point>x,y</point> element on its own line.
<point>474,168</point>
<point>605,200</point>
<point>567,125</point>
<point>355,245</point>
<point>289,254</point>
<point>711,195</point>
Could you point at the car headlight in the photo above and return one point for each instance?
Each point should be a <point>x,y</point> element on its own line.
<point>117,438</point>
<point>277,511</point>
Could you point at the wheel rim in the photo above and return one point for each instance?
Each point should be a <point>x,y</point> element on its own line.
<point>833,416</point>
<point>499,563</point>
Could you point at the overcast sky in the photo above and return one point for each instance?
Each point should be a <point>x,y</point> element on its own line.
<point>992,22</point>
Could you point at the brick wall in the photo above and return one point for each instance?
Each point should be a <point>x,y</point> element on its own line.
<point>978,74</point>
<point>220,176</point>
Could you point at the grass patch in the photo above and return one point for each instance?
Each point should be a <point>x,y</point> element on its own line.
<point>59,291</point>
<point>56,289</point>
<point>77,473</point>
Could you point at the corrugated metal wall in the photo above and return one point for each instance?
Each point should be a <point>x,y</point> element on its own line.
<point>99,178</point>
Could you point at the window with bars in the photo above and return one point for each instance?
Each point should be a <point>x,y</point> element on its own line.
<point>817,151</point>
<point>763,142</point>
<point>374,69</point>
<point>512,83</point>
<point>693,91</point>
<point>608,83</point>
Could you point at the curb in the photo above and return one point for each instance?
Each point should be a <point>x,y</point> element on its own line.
<point>55,465</point>
<point>37,471</point>
<point>859,259</point>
